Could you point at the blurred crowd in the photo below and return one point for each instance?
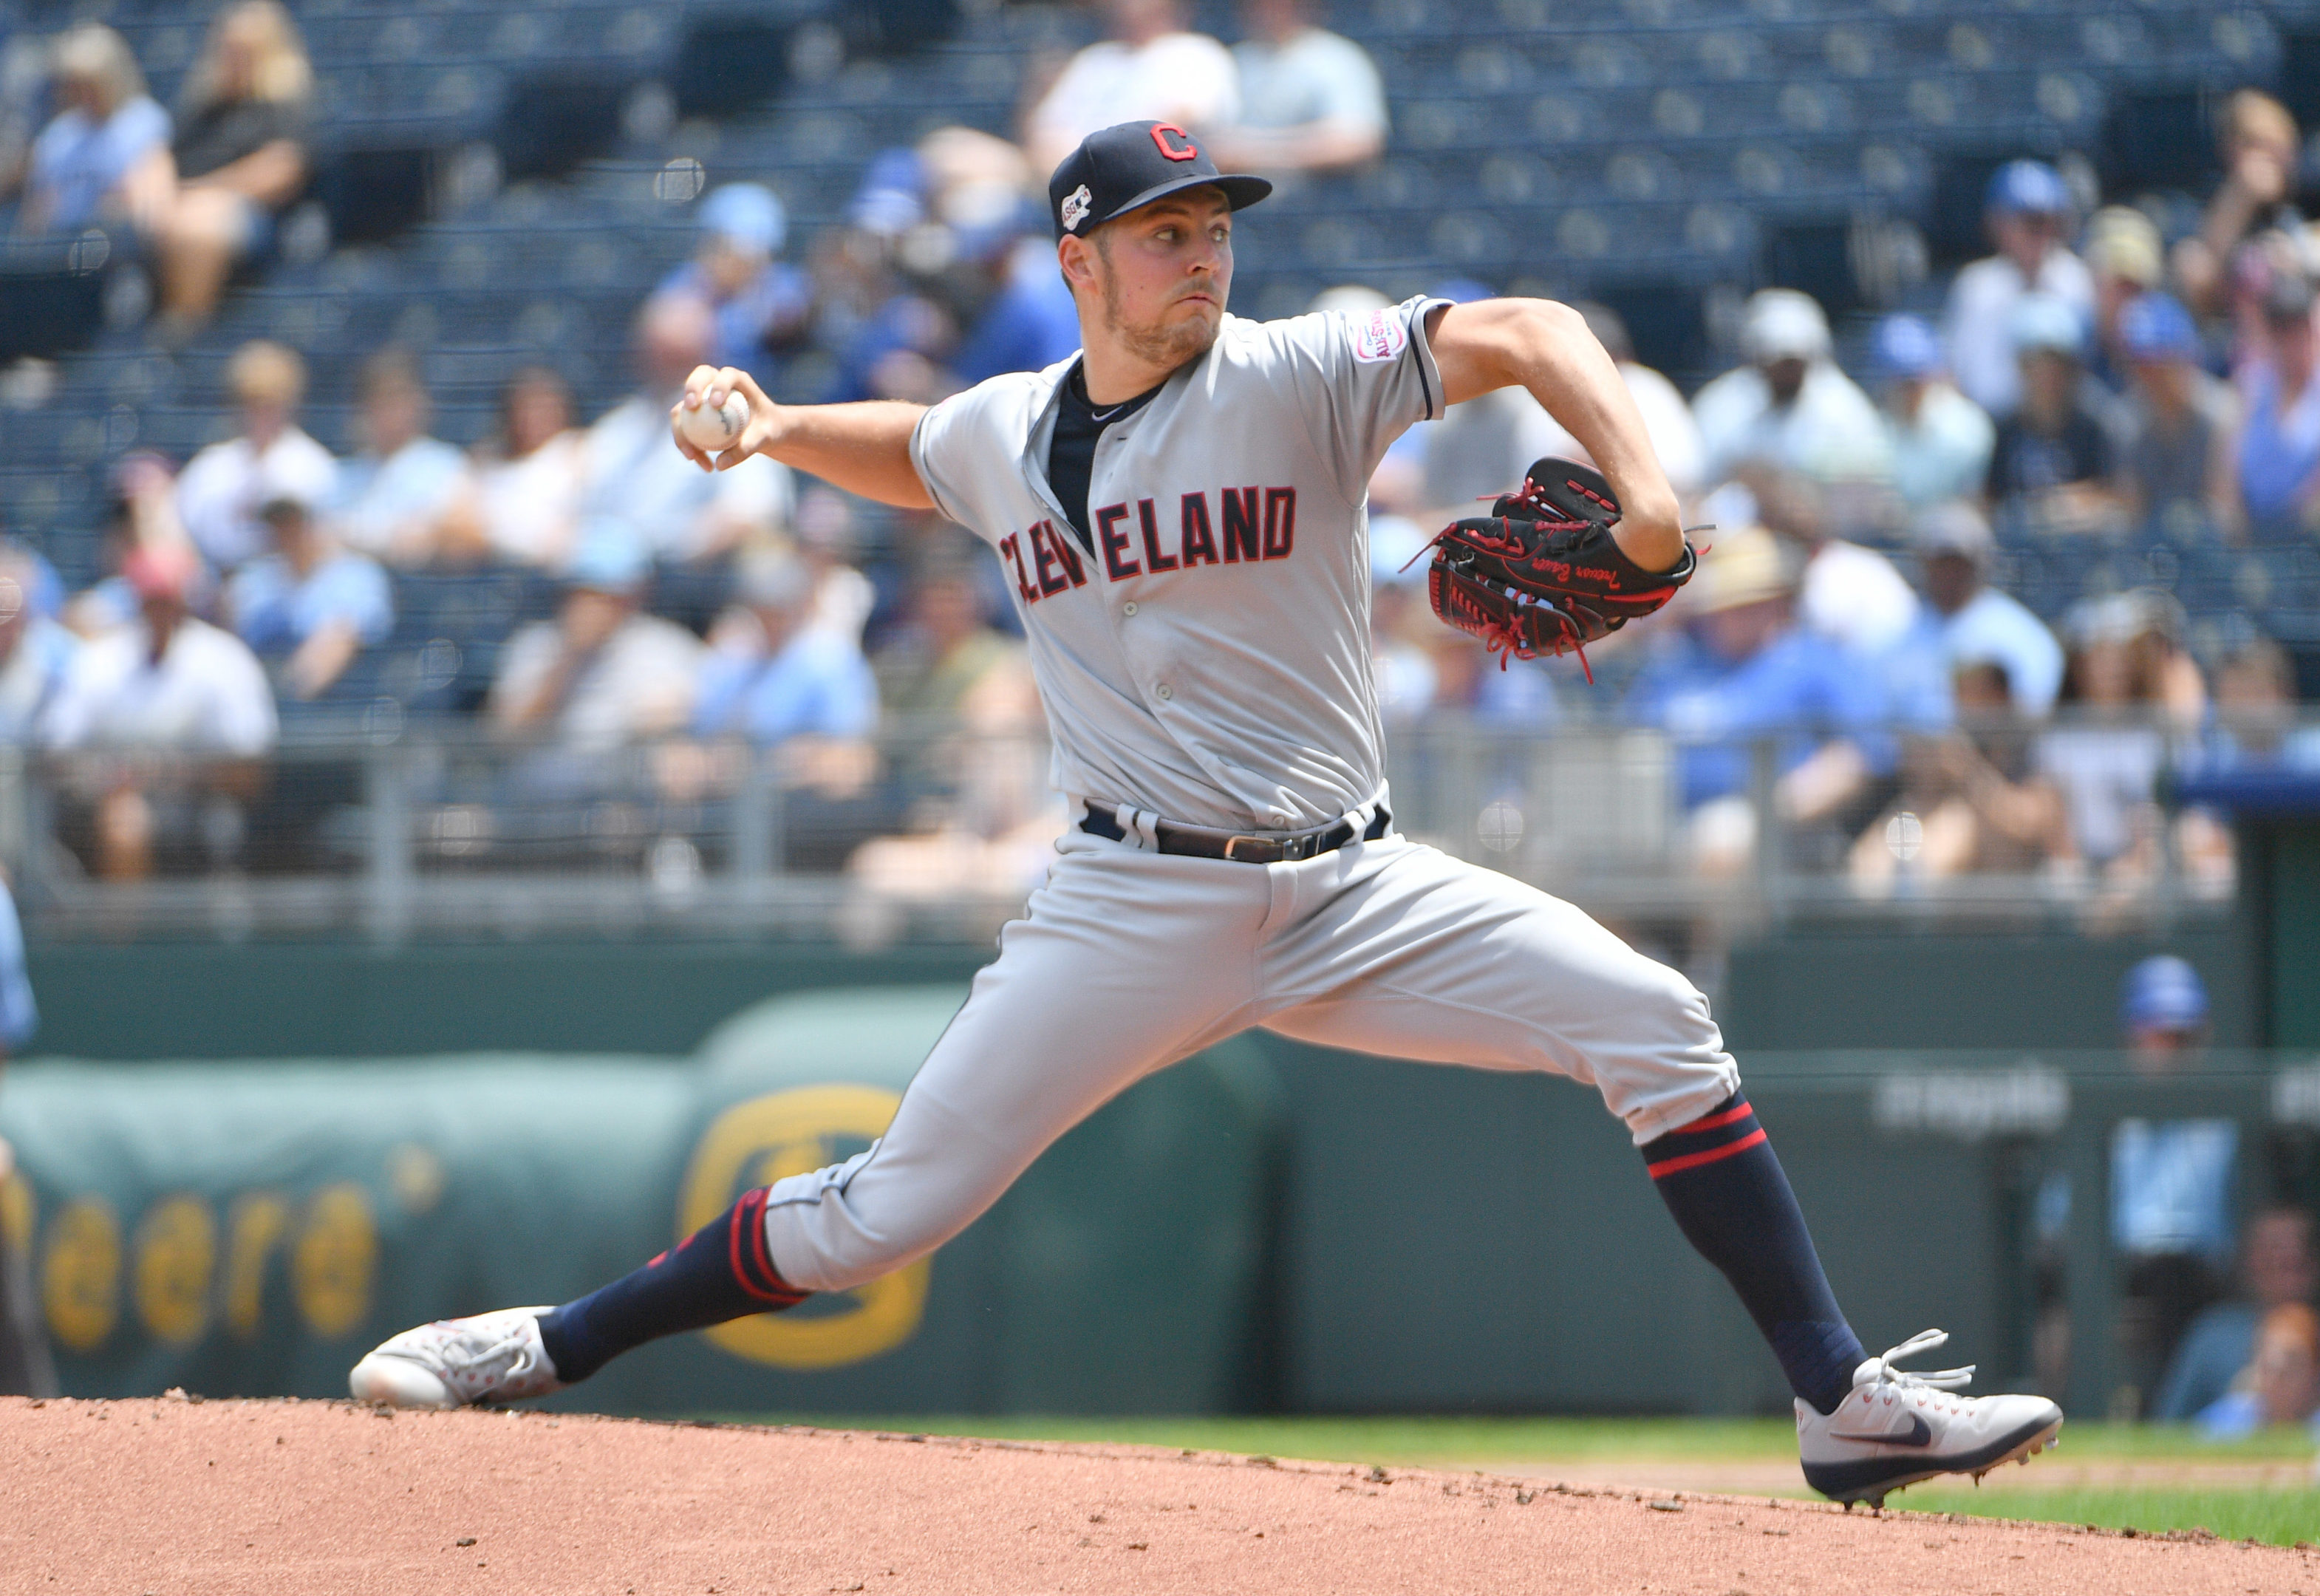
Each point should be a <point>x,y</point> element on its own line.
<point>2109,375</point>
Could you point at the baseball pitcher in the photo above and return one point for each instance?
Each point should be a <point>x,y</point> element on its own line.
<point>1181,514</point>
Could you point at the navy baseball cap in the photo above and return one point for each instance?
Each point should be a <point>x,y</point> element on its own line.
<point>1115,169</point>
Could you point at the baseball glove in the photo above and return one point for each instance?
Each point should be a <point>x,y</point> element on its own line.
<point>1542,574</point>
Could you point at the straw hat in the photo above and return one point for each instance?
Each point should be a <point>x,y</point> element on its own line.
<point>1742,567</point>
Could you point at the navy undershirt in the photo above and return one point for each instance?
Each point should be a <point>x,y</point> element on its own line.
<point>1071,453</point>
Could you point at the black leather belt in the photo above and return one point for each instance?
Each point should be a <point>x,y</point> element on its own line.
<point>1243,847</point>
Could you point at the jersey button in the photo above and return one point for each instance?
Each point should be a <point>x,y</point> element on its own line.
<point>1129,608</point>
<point>1166,691</point>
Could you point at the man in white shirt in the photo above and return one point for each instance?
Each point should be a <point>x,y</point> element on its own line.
<point>164,685</point>
<point>2028,213</point>
<point>602,674</point>
<point>222,487</point>
<point>1150,69</point>
<point>1941,439</point>
<point>1789,408</point>
<point>392,496</point>
<point>1966,620</point>
<point>639,492</point>
<point>1311,100</point>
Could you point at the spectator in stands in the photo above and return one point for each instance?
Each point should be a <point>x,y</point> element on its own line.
<point>521,506</point>
<point>2277,1269</point>
<point>2261,150</point>
<point>1789,408</point>
<point>2126,259</point>
<point>843,596</point>
<point>222,487</point>
<point>2280,1385</point>
<point>241,154</point>
<point>169,713</point>
<point>2027,211</point>
<point>1966,620</point>
<point>946,670</point>
<point>2256,728</point>
<point>2054,465</point>
<point>641,493</point>
<point>140,508</point>
<point>105,157</point>
<point>1667,419</point>
<point>1939,440</point>
<point>1742,670</point>
<point>1968,804</point>
<point>602,674</point>
<point>2176,461</point>
<point>1027,321</point>
<point>1851,595</point>
<point>2128,679</point>
<point>1150,69</point>
<point>2172,1181</point>
<point>35,654</point>
<point>2278,453</point>
<point>391,498</point>
<point>309,605</point>
<point>967,748</point>
<point>760,301</point>
<point>1310,100</point>
<point>774,679</point>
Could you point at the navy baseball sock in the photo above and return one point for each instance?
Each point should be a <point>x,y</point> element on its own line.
<point>720,1271</point>
<point>1720,1179</point>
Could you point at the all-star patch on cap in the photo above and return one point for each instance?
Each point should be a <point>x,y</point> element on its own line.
<point>1115,169</point>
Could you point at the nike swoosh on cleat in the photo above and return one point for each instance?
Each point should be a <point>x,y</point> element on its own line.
<point>1921,1434</point>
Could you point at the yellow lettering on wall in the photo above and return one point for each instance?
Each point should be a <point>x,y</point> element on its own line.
<point>80,1277</point>
<point>18,1211</point>
<point>253,1230</point>
<point>784,1133</point>
<point>177,1250</point>
<point>335,1260</point>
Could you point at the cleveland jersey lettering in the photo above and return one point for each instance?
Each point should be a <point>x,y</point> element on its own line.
<point>1230,513</point>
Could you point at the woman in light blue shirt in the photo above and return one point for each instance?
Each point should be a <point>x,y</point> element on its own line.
<point>105,155</point>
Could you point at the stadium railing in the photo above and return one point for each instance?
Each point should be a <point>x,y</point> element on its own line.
<point>391,827</point>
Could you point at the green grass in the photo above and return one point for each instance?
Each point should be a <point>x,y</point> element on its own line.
<point>2282,1515</point>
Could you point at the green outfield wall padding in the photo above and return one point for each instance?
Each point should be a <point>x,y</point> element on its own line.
<point>1799,990</point>
<point>250,1228</point>
<point>1866,988</point>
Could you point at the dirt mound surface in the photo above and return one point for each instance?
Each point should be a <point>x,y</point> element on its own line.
<point>181,1498</point>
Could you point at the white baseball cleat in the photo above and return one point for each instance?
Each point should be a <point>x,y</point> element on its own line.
<point>1895,1428</point>
<point>491,1358</point>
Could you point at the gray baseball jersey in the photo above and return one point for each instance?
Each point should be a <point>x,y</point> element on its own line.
<point>1208,660</point>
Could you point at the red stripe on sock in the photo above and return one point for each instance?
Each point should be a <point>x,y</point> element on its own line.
<point>1714,1120</point>
<point>1668,1167</point>
<point>783,1294</point>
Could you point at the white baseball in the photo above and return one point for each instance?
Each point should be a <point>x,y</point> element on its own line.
<point>710,431</point>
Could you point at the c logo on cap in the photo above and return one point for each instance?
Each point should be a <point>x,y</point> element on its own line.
<point>1159,136</point>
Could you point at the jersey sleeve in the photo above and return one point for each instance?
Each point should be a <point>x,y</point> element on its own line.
<point>1362,381</point>
<point>946,446</point>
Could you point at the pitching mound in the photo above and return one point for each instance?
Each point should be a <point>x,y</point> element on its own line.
<point>172,1497</point>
